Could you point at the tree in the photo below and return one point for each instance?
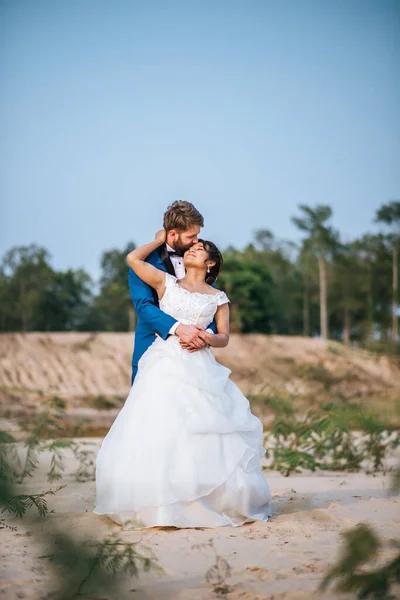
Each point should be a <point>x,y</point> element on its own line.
<point>25,271</point>
<point>248,285</point>
<point>389,214</point>
<point>374,265</point>
<point>285,294</point>
<point>322,240</point>
<point>306,267</point>
<point>33,296</point>
<point>112,309</point>
<point>64,302</point>
<point>345,284</point>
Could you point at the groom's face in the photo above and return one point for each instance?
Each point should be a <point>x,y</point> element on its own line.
<point>183,240</point>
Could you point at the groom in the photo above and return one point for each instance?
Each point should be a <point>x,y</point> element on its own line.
<point>182,222</point>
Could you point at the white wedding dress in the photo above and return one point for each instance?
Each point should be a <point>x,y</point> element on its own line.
<point>185,449</point>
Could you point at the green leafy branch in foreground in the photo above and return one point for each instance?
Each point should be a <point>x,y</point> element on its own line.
<point>361,546</point>
<point>326,439</point>
<point>91,567</point>
<point>79,565</point>
<point>14,470</point>
<point>19,504</point>
<point>45,437</point>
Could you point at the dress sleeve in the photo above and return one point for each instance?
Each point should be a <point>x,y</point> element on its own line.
<point>222,298</point>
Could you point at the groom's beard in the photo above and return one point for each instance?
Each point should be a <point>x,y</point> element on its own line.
<point>180,247</point>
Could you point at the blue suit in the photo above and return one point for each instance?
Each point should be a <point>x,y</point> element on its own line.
<point>151,319</point>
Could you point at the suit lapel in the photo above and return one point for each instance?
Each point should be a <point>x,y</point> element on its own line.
<point>163,253</point>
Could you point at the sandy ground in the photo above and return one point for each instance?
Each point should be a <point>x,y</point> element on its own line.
<point>285,558</point>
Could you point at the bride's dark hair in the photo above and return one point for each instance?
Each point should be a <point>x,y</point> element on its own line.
<point>215,255</point>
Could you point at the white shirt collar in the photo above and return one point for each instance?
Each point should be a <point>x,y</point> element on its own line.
<point>169,248</point>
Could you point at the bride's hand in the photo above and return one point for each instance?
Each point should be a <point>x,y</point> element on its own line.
<point>161,236</point>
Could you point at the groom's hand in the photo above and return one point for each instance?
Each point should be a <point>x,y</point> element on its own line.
<point>204,336</point>
<point>191,348</point>
<point>189,337</point>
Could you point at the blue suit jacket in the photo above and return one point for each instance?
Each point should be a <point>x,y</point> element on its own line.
<point>151,320</point>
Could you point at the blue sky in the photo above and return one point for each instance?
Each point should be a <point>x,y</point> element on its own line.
<point>112,110</point>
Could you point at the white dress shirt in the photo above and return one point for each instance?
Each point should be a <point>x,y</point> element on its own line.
<point>177,263</point>
<point>180,272</point>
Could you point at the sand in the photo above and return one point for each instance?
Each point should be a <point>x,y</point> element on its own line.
<point>285,558</point>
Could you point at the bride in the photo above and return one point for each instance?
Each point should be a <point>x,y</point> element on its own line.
<point>185,449</point>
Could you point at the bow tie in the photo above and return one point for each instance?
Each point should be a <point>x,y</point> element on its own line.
<point>170,253</point>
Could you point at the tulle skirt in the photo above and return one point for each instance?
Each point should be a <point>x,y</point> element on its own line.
<point>185,449</point>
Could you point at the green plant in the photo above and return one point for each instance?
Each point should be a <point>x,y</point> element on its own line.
<point>318,373</point>
<point>325,439</point>
<point>276,403</point>
<point>57,402</point>
<point>361,546</point>
<point>79,565</point>
<point>87,462</point>
<point>19,504</point>
<point>44,436</point>
<point>10,501</point>
<point>90,567</point>
<point>102,403</point>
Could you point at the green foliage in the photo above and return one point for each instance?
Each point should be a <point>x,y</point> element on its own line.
<point>318,373</point>
<point>87,462</point>
<point>103,403</point>
<point>91,566</point>
<point>45,436</point>
<point>14,503</point>
<point>112,309</point>
<point>57,402</point>
<point>313,221</point>
<point>390,215</point>
<point>248,285</point>
<point>324,439</point>
<point>33,296</point>
<point>361,546</point>
<point>279,256</point>
<point>276,403</point>
<point>274,285</point>
<point>19,504</point>
<point>81,567</point>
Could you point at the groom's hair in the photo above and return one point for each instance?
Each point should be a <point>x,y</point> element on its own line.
<point>181,215</point>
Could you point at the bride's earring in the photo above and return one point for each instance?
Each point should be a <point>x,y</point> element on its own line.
<point>208,269</point>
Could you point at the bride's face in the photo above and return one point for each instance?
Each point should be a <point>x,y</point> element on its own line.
<point>197,257</point>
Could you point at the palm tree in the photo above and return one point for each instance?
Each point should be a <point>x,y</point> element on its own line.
<point>306,265</point>
<point>346,283</point>
<point>321,239</point>
<point>389,214</point>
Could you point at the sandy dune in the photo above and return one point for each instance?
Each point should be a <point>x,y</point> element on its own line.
<point>78,365</point>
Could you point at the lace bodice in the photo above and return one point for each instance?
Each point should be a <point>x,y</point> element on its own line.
<point>190,308</point>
